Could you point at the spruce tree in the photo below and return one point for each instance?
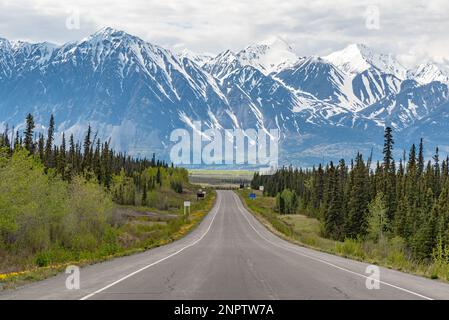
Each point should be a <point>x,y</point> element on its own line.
<point>61,160</point>
<point>49,156</point>
<point>420,158</point>
<point>87,156</point>
<point>389,186</point>
<point>334,218</point>
<point>28,141</point>
<point>357,222</point>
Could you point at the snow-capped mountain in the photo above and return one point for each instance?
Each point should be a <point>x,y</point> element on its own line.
<point>428,72</point>
<point>130,90</point>
<point>357,58</point>
<point>199,59</point>
<point>269,56</point>
<point>321,79</point>
<point>223,64</point>
<point>6,59</point>
<point>371,85</point>
<point>136,93</point>
<point>412,103</point>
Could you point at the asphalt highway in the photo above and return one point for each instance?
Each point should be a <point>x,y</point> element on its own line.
<point>230,255</point>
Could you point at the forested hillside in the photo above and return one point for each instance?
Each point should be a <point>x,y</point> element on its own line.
<point>402,201</point>
<point>76,200</point>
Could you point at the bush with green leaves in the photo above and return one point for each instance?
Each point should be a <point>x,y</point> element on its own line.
<point>286,202</point>
<point>40,213</point>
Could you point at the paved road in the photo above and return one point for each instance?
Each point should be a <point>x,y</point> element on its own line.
<point>232,256</point>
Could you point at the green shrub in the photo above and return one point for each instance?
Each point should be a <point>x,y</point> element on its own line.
<point>286,202</point>
<point>397,253</point>
<point>43,259</point>
<point>176,186</point>
<point>44,217</point>
<point>440,265</point>
<point>350,248</point>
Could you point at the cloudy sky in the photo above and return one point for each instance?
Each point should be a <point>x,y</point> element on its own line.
<point>415,30</point>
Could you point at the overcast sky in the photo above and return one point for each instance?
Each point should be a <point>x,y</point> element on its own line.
<point>415,30</point>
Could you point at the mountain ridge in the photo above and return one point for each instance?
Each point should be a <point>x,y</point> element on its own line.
<point>136,93</point>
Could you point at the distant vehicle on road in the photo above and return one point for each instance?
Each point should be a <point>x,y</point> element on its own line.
<point>200,194</point>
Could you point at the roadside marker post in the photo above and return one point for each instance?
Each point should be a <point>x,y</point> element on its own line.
<point>186,209</point>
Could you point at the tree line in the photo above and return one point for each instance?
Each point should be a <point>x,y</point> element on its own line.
<point>407,199</point>
<point>92,158</point>
<point>57,199</point>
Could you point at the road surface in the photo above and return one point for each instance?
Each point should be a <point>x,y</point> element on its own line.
<point>230,255</point>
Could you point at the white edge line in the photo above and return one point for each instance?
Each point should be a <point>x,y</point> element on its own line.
<point>160,260</point>
<point>242,209</point>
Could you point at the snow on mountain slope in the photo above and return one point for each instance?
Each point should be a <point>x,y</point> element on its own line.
<point>136,93</point>
<point>6,59</point>
<point>268,56</point>
<point>259,100</point>
<point>321,79</point>
<point>428,72</point>
<point>412,103</point>
<point>17,57</point>
<point>432,128</point>
<point>357,58</point>
<point>223,64</point>
<point>199,59</point>
<point>131,90</point>
<point>315,75</point>
<point>372,85</point>
<point>31,55</point>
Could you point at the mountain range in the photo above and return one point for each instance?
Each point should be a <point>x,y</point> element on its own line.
<point>136,93</point>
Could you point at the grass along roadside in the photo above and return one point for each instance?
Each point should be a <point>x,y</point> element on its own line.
<point>140,229</point>
<point>305,231</point>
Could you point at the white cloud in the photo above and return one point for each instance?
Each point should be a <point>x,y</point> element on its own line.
<point>416,30</point>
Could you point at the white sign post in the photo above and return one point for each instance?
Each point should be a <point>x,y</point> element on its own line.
<point>261,188</point>
<point>186,209</point>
